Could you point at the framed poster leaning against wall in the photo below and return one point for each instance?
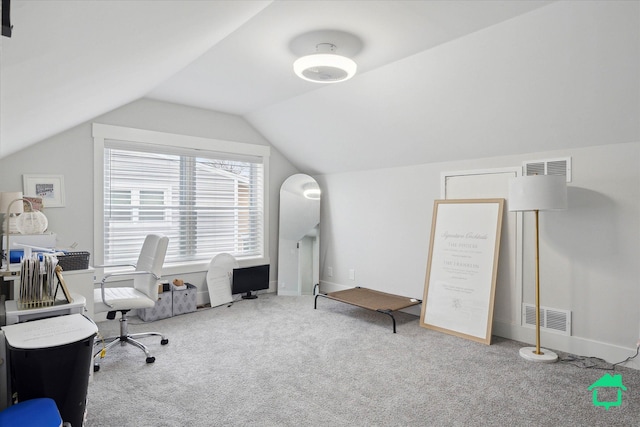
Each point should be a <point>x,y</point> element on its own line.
<point>462,267</point>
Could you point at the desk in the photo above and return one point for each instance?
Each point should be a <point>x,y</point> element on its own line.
<point>78,281</point>
<point>60,308</point>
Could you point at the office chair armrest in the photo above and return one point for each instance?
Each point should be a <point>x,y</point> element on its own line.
<point>114,265</point>
<point>105,278</point>
<point>123,273</point>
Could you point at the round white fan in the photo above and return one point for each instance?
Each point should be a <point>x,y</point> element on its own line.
<point>219,278</point>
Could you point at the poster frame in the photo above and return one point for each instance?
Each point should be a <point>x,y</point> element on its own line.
<point>491,224</point>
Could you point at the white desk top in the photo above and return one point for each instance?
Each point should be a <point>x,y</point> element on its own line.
<point>11,305</point>
<point>15,315</point>
<point>50,332</point>
<point>13,272</point>
<point>10,273</point>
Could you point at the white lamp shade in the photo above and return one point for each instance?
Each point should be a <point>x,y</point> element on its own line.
<point>538,192</point>
<point>325,68</point>
<point>5,200</point>
<point>32,223</point>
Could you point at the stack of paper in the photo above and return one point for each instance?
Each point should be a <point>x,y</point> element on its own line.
<point>37,282</point>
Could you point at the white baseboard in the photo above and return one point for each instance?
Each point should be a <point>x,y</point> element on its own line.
<point>287,294</point>
<point>326,287</point>
<point>202,296</point>
<point>569,344</point>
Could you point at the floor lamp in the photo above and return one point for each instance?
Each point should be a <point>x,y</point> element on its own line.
<point>538,193</point>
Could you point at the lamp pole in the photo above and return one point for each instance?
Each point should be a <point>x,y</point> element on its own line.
<point>537,287</point>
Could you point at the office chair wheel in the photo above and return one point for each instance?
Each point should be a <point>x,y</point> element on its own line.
<point>96,368</point>
<point>164,341</point>
<point>151,359</point>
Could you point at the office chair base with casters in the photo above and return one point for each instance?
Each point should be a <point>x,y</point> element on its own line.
<point>124,338</point>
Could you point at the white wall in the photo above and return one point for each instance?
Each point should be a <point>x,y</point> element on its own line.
<point>563,75</point>
<point>71,154</point>
<point>555,80</point>
<point>378,223</point>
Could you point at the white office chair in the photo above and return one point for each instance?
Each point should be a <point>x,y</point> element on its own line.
<point>143,294</point>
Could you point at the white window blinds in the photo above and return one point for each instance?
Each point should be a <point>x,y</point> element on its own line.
<point>206,203</point>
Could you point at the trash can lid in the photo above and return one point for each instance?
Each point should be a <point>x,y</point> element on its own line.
<point>41,412</point>
<point>50,332</point>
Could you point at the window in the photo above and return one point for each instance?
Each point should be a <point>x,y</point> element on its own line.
<point>120,198</point>
<point>152,207</point>
<point>206,202</point>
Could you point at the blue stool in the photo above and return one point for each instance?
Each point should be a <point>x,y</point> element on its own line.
<point>41,412</point>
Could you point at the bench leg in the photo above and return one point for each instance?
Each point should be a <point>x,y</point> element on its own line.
<point>388,313</point>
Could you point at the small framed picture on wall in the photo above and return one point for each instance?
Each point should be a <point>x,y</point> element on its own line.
<point>49,187</point>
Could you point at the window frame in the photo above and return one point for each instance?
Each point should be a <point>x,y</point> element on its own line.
<point>134,138</point>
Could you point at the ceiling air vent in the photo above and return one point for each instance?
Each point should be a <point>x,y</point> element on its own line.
<point>561,166</point>
<point>551,319</point>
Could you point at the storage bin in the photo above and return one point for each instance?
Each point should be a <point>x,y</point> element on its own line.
<point>74,261</point>
<point>184,298</point>
<point>162,309</point>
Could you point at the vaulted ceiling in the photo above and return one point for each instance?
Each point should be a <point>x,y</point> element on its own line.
<point>70,61</point>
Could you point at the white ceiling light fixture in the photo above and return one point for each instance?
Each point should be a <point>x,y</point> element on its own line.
<point>325,66</point>
<point>325,56</point>
<point>312,193</point>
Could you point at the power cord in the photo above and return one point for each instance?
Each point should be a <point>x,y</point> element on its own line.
<point>103,352</point>
<point>630,357</point>
<point>587,362</point>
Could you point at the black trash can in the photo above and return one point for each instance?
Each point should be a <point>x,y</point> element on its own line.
<point>52,358</point>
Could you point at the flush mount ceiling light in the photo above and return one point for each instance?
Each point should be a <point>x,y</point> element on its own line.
<point>325,56</point>
<point>312,193</point>
<point>325,66</point>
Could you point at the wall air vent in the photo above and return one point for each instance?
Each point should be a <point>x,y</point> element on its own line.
<point>551,319</point>
<point>560,166</point>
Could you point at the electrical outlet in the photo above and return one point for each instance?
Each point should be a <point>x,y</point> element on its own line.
<point>638,343</point>
<point>330,271</point>
<point>352,274</point>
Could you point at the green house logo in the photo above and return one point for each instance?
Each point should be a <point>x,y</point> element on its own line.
<point>608,381</point>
